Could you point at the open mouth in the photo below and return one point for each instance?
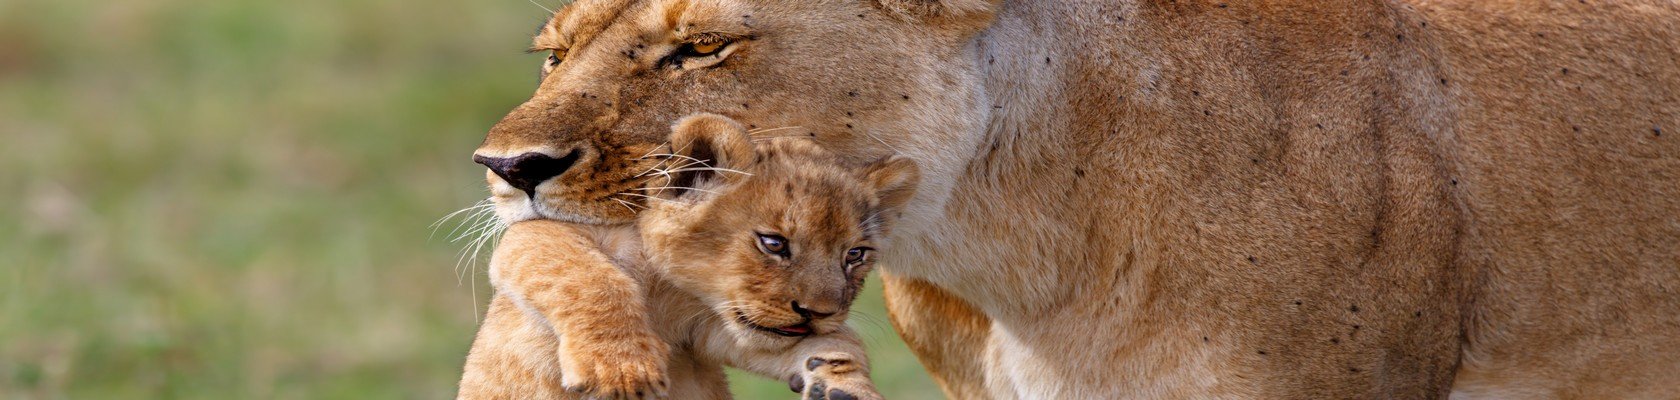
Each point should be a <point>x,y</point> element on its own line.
<point>796,330</point>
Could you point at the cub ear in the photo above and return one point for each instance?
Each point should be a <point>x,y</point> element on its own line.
<point>707,150</point>
<point>894,180</point>
<point>968,15</point>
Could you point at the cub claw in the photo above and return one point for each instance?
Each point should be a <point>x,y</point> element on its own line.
<point>629,372</point>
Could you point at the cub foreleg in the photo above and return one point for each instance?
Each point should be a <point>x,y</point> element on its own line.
<point>607,346</point>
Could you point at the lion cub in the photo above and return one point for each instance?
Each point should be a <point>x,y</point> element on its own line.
<point>750,261</point>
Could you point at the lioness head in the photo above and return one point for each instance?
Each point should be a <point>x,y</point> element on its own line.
<point>863,78</point>
<point>776,237</point>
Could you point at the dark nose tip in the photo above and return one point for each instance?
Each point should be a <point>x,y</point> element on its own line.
<point>528,170</point>
<point>812,314</point>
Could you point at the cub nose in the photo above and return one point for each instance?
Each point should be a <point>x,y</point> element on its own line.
<point>528,170</point>
<point>818,313</point>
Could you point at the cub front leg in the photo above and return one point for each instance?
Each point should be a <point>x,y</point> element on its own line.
<point>827,366</point>
<point>833,376</point>
<point>607,347</point>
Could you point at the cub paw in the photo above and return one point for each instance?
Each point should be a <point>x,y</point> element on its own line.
<point>833,377</point>
<point>623,370</point>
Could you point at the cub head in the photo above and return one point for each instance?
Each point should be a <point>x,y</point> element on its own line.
<point>775,236</point>
<point>862,78</point>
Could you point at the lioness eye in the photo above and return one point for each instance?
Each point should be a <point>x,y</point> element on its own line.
<point>772,244</point>
<point>856,254</point>
<point>553,60</point>
<point>702,49</point>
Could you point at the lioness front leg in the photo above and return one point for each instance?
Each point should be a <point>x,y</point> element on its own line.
<point>607,346</point>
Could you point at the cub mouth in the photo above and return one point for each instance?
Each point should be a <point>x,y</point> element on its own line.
<point>801,329</point>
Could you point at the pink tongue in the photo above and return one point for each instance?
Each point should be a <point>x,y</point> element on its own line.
<point>797,329</point>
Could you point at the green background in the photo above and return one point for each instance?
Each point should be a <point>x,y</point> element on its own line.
<point>231,199</point>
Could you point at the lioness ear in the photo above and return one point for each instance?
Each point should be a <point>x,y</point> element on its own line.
<point>894,181</point>
<point>969,15</point>
<point>706,150</point>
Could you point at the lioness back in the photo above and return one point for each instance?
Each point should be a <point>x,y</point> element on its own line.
<point>1563,156</point>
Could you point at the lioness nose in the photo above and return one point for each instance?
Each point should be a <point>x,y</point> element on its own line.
<point>819,312</point>
<point>528,170</point>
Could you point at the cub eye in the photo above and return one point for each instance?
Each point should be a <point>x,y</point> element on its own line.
<point>553,60</point>
<point>772,244</point>
<point>856,254</point>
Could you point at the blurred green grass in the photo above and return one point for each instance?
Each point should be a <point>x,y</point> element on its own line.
<point>231,199</point>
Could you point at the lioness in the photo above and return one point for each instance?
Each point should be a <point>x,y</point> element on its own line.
<point>1193,198</point>
<point>751,258</point>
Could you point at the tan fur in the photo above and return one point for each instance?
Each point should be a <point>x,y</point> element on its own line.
<point>1154,198</point>
<point>624,311</point>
